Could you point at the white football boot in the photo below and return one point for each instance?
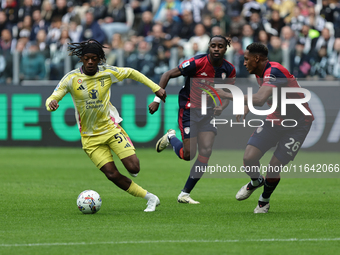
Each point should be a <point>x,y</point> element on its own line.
<point>163,142</point>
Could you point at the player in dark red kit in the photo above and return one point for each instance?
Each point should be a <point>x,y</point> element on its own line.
<point>197,132</point>
<point>287,140</point>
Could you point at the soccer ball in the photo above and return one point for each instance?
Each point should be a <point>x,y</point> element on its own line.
<point>89,201</point>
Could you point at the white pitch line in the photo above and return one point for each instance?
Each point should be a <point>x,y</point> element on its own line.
<point>175,241</point>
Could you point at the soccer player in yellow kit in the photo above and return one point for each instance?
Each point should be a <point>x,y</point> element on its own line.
<point>98,120</point>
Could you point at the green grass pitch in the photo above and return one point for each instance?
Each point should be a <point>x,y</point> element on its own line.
<point>38,213</point>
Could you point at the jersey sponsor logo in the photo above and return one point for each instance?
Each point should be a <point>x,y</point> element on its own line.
<point>268,78</point>
<point>187,130</point>
<point>81,87</point>
<point>204,74</point>
<point>127,145</point>
<point>93,94</point>
<point>185,64</point>
<point>290,153</point>
<point>79,81</point>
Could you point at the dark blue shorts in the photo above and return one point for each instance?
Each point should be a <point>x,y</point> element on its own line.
<point>191,122</point>
<point>287,139</point>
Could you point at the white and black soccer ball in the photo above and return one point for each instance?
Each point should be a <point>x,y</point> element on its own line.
<point>89,201</point>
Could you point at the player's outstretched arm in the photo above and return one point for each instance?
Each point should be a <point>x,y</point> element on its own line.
<point>173,73</point>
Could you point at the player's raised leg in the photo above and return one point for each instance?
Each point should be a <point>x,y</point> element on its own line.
<point>164,141</point>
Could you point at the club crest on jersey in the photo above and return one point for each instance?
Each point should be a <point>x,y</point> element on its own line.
<point>187,130</point>
<point>259,129</point>
<point>102,82</point>
<point>79,81</point>
<point>93,94</point>
<point>224,75</point>
<point>268,78</point>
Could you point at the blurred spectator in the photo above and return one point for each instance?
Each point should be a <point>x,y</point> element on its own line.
<point>32,64</point>
<point>72,14</point>
<point>195,7</point>
<point>299,61</point>
<point>54,31</point>
<point>221,20</point>
<point>25,10</point>
<point>314,21</point>
<point>25,25</point>
<point>113,51</point>
<point>305,38</point>
<point>334,59</point>
<point>326,39</point>
<point>233,7</point>
<point>276,23</point>
<point>47,11</point>
<point>304,5</point>
<point>145,26</point>
<point>216,30</point>
<point>256,24</point>
<point>156,38</point>
<point>327,12</point>
<point>249,7</point>
<point>288,38</point>
<point>115,19</point>
<point>6,62</point>
<point>60,9</point>
<point>99,9</point>
<point>319,64</point>
<point>58,56</point>
<point>236,26</point>
<point>91,29</point>
<point>4,24</point>
<point>11,10</point>
<point>38,24</point>
<point>174,5</point>
<point>263,37</point>
<point>144,60</point>
<point>170,26</point>
<point>247,36</point>
<point>74,30</point>
<point>129,49</point>
<point>207,23</point>
<point>337,19</point>
<point>200,38</point>
<point>237,58</point>
<point>296,21</point>
<point>41,40</point>
<point>185,31</point>
<point>139,7</point>
<point>210,6</point>
<point>275,52</point>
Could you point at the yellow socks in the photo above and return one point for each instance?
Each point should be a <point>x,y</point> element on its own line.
<point>136,190</point>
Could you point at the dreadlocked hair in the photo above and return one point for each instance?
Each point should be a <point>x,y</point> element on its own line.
<point>89,46</point>
<point>227,41</point>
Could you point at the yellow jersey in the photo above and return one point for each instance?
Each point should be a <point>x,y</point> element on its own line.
<point>95,114</point>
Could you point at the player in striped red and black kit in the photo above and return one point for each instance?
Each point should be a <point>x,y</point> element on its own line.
<point>287,140</point>
<point>197,132</point>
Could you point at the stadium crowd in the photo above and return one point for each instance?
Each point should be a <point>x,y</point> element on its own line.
<point>153,36</point>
